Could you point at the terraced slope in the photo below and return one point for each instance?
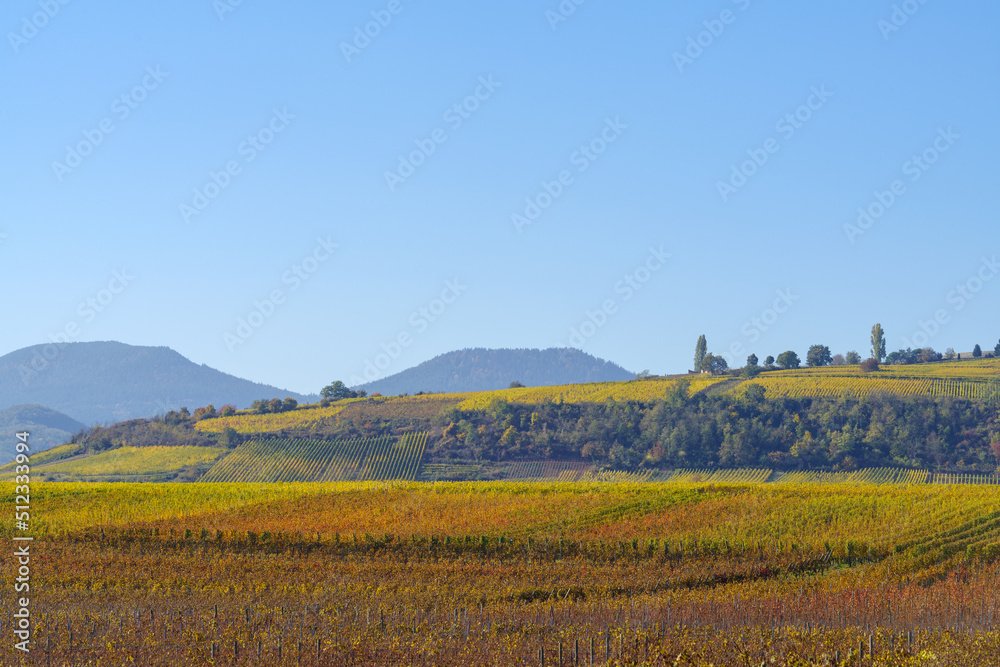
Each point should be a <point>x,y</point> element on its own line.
<point>281,460</point>
<point>966,379</point>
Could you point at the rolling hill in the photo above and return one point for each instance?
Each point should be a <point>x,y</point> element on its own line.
<point>941,418</point>
<point>480,369</point>
<point>48,428</point>
<point>109,381</point>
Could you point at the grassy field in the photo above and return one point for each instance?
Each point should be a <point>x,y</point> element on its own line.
<point>492,573</point>
<point>133,461</point>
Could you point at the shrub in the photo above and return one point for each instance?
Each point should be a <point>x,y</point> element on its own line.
<point>869,365</point>
<point>207,412</point>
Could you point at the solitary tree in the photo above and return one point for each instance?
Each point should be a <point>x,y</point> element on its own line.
<point>700,350</point>
<point>336,391</point>
<point>996,350</point>
<point>852,358</point>
<point>977,351</point>
<point>878,343</point>
<point>714,364</point>
<point>950,352</point>
<point>788,359</point>
<point>752,360</point>
<point>769,362</point>
<point>837,360</point>
<point>818,355</point>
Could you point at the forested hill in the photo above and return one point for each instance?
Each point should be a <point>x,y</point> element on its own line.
<point>47,428</point>
<point>736,428</point>
<point>480,369</point>
<point>109,381</point>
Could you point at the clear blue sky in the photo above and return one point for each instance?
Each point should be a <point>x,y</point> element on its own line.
<point>831,98</point>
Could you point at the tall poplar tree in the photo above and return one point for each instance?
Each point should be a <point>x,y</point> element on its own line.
<point>700,350</point>
<point>878,343</point>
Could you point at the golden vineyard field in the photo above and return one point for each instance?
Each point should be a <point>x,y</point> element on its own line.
<point>382,407</point>
<point>829,386</point>
<point>975,369</point>
<point>245,421</point>
<point>495,574</point>
<point>135,461</point>
<point>276,460</point>
<point>971,380</point>
<point>401,459</point>
<point>598,392</point>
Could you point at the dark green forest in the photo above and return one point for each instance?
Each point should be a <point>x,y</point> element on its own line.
<point>722,430</point>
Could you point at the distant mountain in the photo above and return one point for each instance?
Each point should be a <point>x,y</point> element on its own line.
<point>47,428</point>
<point>480,369</point>
<point>108,381</point>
